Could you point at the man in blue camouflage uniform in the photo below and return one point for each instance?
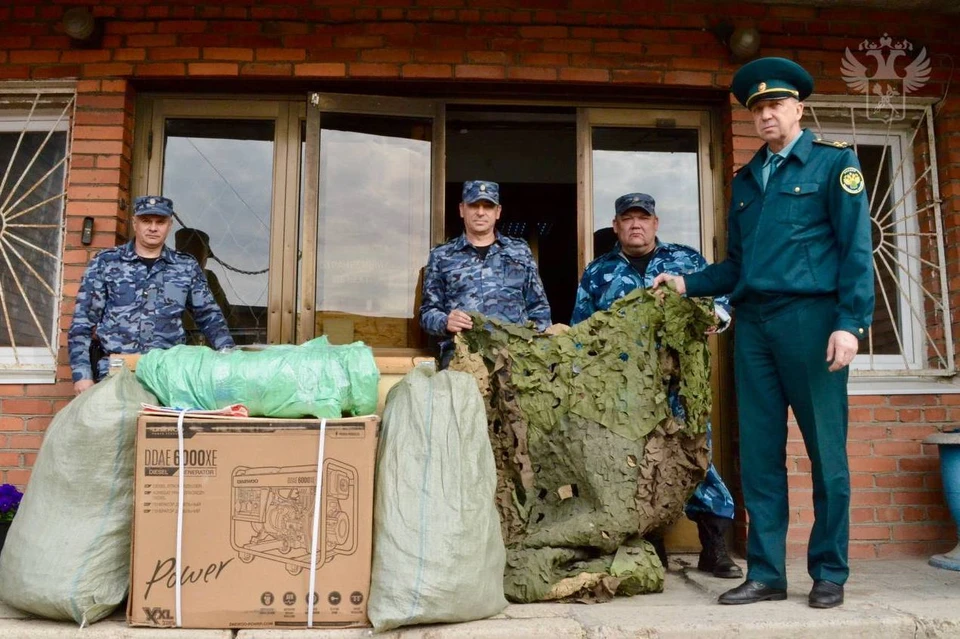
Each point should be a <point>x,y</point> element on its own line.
<point>480,271</point>
<point>133,296</point>
<point>636,259</point>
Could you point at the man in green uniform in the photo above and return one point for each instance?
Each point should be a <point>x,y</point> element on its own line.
<point>799,273</point>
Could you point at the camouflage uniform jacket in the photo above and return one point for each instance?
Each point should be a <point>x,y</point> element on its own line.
<point>135,310</point>
<point>506,285</point>
<point>611,276</point>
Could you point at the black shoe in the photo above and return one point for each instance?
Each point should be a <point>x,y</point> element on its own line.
<point>713,557</point>
<point>752,591</point>
<point>825,594</point>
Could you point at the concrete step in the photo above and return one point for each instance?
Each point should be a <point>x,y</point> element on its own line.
<point>884,599</point>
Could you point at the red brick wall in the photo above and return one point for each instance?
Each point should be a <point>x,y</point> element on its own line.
<point>948,166</point>
<point>626,47</point>
<point>98,178</point>
<point>98,182</point>
<point>897,506</point>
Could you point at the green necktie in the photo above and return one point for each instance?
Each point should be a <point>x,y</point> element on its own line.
<point>772,165</point>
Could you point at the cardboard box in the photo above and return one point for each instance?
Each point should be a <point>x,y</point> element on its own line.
<point>249,493</point>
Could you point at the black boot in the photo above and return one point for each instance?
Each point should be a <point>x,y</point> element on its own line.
<point>660,548</point>
<point>713,557</point>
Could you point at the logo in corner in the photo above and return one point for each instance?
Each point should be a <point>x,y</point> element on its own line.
<point>158,616</point>
<point>885,88</point>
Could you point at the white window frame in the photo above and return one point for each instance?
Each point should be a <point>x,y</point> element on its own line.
<point>838,118</point>
<point>911,335</point>
<point>37,364</point>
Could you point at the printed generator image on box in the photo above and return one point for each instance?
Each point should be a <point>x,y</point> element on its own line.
<point>249,494</point>
<point>273,514</point>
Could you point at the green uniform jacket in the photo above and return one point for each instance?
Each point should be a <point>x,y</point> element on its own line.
<point>807,234</point>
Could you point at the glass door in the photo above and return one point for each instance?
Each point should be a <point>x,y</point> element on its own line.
<point>372,205</point>
<point>221,170</point>
<point>666,154</point>
<point>663,153</point>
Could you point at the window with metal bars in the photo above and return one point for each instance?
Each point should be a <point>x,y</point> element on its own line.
<point>911,333</point>
<point>34,139</point>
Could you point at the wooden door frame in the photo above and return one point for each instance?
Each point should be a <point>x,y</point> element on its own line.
<point>363,105</point>
<point>287,113</point>
<point>712,240</point>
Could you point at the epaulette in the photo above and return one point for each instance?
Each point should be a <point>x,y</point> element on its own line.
<point>107,253</point>
<point>837,144</point>
<point>184,254</point>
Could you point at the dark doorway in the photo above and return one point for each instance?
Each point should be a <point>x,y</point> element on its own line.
<point>532,154</point>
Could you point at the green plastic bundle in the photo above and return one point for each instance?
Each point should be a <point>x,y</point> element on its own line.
<point>314,379</point>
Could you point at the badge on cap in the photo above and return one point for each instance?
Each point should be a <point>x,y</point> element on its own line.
<point>483,187</point>
<point>762,86</point>
<point>851,179</point>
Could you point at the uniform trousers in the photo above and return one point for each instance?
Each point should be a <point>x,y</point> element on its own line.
<point>780,361</point>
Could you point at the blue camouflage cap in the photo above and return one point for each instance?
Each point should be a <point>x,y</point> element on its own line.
<point>771,79</point>
<point>635,201</point>
<point>153,205</point>
<point>474,190</point>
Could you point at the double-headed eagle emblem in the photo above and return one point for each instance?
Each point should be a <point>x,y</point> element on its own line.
<point>888,83</point>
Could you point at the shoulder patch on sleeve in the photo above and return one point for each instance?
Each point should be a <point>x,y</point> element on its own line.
<point>851,180</point>
<point>837,144</point>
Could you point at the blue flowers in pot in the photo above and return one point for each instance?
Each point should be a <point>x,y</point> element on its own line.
<point>9,503</point>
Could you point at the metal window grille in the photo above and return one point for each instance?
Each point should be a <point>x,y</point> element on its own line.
<point>911,333</point>
<point>34,151</point>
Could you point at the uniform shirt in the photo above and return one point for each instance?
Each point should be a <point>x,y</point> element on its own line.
<point>505,284</point>
<point>611,276</point>
<point>135,309</point>
<point>806,235</point>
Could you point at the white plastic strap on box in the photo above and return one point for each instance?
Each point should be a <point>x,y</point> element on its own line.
<point>177,565</point>
<point>312,592</point>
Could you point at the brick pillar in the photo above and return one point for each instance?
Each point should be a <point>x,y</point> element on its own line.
<point>98,180</point>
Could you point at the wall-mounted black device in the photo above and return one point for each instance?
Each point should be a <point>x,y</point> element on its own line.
<point>86,235</point>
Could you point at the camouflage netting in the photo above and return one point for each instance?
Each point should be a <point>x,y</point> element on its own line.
<point>589,457</point>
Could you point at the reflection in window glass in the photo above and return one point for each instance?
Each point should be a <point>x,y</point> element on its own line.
<point>374,227</point>
<point>660,162</point>
<point>219,174</point>
<point>885,326</point>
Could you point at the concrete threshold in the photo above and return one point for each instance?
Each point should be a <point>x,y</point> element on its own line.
<point>884,599</point>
